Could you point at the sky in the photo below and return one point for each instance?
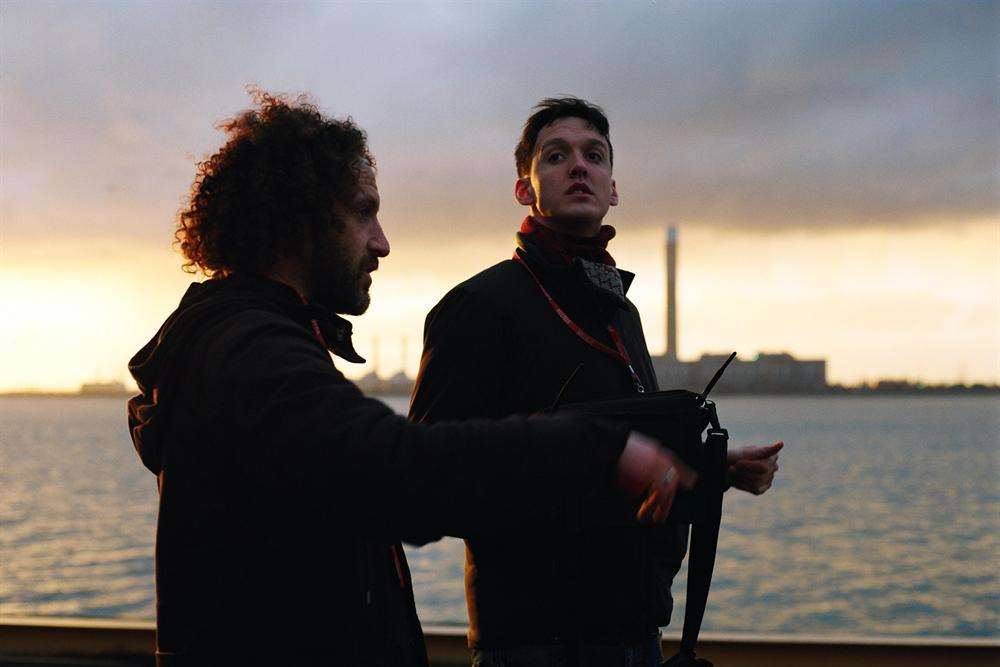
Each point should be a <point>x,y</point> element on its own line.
<point>832,166</point>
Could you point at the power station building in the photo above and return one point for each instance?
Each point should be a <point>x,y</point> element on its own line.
<point>768,373</point>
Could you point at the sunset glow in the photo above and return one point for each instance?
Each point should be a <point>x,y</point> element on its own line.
<point>920,305</point>
<point>835,185</point>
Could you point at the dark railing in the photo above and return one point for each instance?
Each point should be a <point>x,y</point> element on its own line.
<point>65,642</point>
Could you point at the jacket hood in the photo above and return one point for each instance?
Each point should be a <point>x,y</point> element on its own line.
<point>158,365</point>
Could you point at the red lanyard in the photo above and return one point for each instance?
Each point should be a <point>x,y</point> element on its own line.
<point>621,354</point>
<point>316,331</point>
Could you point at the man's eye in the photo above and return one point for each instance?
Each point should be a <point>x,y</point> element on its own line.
<point>554,158</point>
<point>596,156</point>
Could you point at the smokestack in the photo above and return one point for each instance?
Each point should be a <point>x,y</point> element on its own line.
<point>671,294</point>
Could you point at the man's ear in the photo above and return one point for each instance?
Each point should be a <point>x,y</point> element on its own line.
<point>523,192</point>
<point>613,201</point>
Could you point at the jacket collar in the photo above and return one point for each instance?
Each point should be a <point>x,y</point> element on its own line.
<point>336,332</point>
<point>627,277</point>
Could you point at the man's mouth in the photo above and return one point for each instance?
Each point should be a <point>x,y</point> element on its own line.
<point>366,272</point>
<point>579,189</point>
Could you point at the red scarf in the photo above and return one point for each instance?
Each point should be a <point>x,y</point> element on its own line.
<point>560,249</point>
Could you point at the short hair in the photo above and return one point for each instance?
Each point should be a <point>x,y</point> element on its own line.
<point>271,186</point>
<point>548,111</point>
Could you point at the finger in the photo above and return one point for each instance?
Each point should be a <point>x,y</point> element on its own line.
<point>652,509</point>
<point>657,506</point>
<point>762,479</point>
<point>753,479</point>
<point>757,464</point>
<point>754,467</point>
<point>665,502</point>
<point>753,489</point>
<point>645,512</point>
<point>763,452</point>
<point>644,509</point>
<point>753,452</point>
<point>752,483</point>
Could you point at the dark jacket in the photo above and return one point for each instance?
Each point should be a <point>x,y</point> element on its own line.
<point>282,488</point>
<point>494,346</point>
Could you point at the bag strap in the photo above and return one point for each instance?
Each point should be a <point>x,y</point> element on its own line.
<point>704,542</point>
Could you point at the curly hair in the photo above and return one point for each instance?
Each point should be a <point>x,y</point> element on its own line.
<point>270,187</point>
<point>550,110</point>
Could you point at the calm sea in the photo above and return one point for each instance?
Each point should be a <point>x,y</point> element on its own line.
<point>883,519</point>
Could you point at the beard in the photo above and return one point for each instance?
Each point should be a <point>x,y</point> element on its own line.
<point>339,282</point>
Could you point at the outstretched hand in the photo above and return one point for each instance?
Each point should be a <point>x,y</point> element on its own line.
<point>752,469</point>
<point>648,469</point>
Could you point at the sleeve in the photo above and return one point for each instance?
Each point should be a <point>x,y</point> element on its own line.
<point>465,372</point>
<point>465,361</point>
<point>352,461</point>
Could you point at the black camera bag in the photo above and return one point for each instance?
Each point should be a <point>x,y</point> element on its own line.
<point>678,419</point>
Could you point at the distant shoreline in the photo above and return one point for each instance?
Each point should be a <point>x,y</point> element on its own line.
<point>833,391</point>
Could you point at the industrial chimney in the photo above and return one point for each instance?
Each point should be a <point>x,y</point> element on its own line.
<point>671,353</point>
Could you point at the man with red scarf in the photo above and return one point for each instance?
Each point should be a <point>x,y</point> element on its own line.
<point>554,321</point>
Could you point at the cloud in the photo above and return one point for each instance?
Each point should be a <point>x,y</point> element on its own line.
<point>762,116</point>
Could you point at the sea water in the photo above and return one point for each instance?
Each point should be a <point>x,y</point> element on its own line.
<point>882,520</point>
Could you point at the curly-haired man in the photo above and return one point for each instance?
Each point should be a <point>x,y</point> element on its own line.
<point>283,490</point>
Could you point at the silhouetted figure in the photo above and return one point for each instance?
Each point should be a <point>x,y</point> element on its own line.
<point>555,321</point>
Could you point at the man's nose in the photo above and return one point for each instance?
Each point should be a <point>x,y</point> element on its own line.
<point>578,165</point>
<point>378,244</point>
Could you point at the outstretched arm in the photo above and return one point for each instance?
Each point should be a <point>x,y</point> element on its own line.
<point>306,431</point>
